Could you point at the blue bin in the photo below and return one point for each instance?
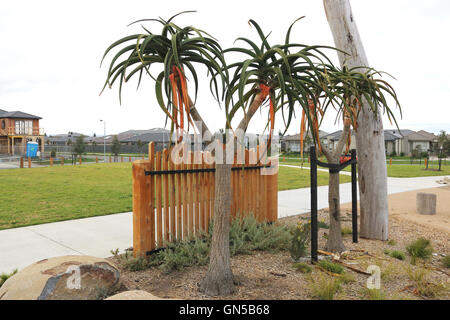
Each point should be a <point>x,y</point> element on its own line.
<point>32,149</point>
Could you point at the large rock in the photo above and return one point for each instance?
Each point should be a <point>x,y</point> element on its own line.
<point>62,278</point>
<point>426,203</point>
<point>134,295</point>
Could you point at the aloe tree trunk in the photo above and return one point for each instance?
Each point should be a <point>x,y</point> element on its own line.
<point>219,279</point>
<point>334,242</point>
<point>372,175</point>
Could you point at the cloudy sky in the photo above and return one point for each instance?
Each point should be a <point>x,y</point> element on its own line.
<point>50,55</point>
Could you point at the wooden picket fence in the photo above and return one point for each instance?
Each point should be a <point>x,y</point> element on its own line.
<point>176,201</point>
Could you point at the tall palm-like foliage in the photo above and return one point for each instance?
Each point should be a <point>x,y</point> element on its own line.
<point>176,50</point>
<point>348,88</point>
<point>289,74</point>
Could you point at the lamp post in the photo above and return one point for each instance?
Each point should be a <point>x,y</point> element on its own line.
<point>104,140</point>
<point>440,158</point>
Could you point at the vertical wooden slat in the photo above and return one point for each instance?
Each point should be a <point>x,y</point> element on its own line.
<point>158,196</point>
<point>213,188</point>
<point>274,193</point>
<point>184,191</point>
<point>196,194</point>
<point>151,217</point>
<point>165,161</point>
<point>203,194</point>
<point>234,191</point>
<point>258,187</point>
<point>191,194</point>
<point>246,182</point>
<point>252,183</point>
<point>179,191</point>
<point>208,191</point>
<point>141,208</point>
<point>172,197</point>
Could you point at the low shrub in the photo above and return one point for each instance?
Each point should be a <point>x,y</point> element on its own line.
<point>446,261</point>
<point>375,294</point>
<point>346,231</point>
<point>6,276</point>
<point>300,240</point>
<point>246,235</point>
<point>331,267</point>
<point>395,254</point>
<point>324,287</point>
<point>392,242</point>
<point>322,224</point>
<point>425,287</point>
<point>302,267</point>
<point>420,248</point>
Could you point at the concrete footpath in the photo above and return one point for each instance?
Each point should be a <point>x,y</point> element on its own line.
<point>97,236</point>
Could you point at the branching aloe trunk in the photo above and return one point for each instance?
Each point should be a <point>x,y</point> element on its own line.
<point>334,242</point>
<point>372,175</point>
<point>219,279</point>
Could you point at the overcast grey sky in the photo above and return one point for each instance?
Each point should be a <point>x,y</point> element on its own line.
<point>50,53</point>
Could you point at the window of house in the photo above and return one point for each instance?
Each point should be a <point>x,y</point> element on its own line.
<point>3,124</point>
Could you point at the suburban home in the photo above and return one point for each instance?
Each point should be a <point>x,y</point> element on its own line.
<point>398,142</point>
<point>291,143</point>
<point>160,136</point>
<point>16,129</point>
<point>409,140</point>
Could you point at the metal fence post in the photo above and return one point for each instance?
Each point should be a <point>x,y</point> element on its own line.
<point>314,231</point>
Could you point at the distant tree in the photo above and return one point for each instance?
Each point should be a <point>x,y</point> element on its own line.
<point>79,146</point>
<point>69,142</point>
<point>115,147</point>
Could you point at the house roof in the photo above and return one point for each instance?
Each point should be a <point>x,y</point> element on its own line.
<point>421,136</point>
<point>389,135</point>
<point>296,137</point>
<point>155,135</point>
<point>17,115</point>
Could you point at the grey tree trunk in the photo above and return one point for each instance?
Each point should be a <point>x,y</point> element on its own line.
<point>372,175</point>
<point>219,279</point>
<point>334,242</point>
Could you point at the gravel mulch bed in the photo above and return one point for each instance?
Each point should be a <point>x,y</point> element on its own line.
<point>265,275</point>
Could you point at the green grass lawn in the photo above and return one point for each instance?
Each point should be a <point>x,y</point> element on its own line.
<point>295,178</point>
<point>398,170</point>
<point>41,195</point>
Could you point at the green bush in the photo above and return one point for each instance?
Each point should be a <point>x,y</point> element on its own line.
<point>375,294</point>
<point>324,288</point>
<point>395,254</point>
<point>392,242</point>
<point>446,261</point>
<point>300,240</point>
<point>302,267</point>
<point>6,276</point>
<point>421,248</point>
<point>346,231</point>
<point>331,267</point>
<point>246,235</point>
<point>322,224</point>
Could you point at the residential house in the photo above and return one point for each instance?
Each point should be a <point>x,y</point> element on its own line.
<point>16,129</point>
<point>160,136</point>
<point>291,143</point>
<point>396,141</point>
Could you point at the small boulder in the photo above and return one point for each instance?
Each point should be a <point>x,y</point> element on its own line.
<point>62,278</point>
<point>134,295</point>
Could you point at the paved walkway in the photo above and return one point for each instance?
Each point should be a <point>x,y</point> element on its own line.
<point>97,236</point>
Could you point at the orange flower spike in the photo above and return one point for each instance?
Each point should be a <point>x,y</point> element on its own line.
<point>302,131</point>
<point>174,98</point>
